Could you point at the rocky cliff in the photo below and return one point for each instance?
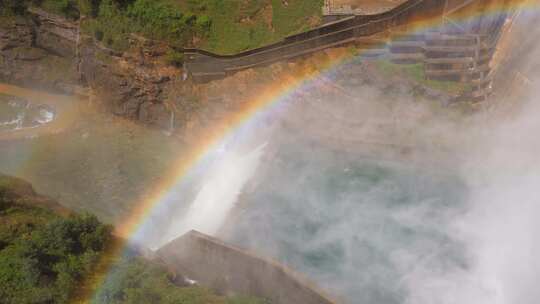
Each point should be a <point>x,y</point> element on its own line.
<point>26,60</point>
<point>49,52</point>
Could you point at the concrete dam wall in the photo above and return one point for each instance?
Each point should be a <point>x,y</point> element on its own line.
<point>231,270</point>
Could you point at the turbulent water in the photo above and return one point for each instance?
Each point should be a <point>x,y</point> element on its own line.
<point>17,114</point>
<point>378,199</point>
<point>357,227</point>
<point>340,193</point>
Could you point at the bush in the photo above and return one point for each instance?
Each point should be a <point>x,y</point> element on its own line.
<point>204,23</point>
<point>89,7</point>
<point>12,7</point>
<point>67,8</point>
<point>175,58</point>
<point>47,263</point>
<point>153,19</point>
<point>98,34</point>
<point>158,19</point>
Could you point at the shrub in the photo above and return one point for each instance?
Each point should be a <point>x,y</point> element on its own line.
<point>89,7</point>
<point>98,34</point>
<point>68,8</point>
<point>157,18</point>
<point>175,58</point>
<point>12,7</point>
<point>45,264</point>
<point>204,23</point>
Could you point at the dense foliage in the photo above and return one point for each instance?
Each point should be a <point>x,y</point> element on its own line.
<point>115,20</point>
<point>216,25</point>
<point>239,25</point>
<point>45,258</point>
<point>12,7</point>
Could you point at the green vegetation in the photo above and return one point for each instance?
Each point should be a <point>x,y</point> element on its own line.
<point>12,7</point>
<point>216,25</point>
<point>239,25</point>
<point>68,8</point>
<point>219,26</point>
<point>175,58</point>
<point>416,73</point>
<point>116,20</point>
<point>45,258</point>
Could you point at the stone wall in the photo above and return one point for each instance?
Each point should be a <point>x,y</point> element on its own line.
<point>231,270</point>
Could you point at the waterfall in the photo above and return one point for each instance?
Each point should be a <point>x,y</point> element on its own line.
<point>218,195</point>
<point>171,123</point>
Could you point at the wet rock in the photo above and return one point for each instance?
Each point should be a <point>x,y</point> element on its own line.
<point>28,53</point>
<point>155,114</point>
<point>23,61</point>
<point>129,84</point>
<point>55,33</point>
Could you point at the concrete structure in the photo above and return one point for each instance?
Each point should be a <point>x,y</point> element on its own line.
<point>231,270</point>
<point>455,48</point>
<point>460,48</point>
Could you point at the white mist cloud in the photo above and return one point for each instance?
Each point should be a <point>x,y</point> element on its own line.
<point>370,245</point>
<point>500,229</point>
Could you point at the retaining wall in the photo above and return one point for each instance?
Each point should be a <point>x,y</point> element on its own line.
<point>231,270</point>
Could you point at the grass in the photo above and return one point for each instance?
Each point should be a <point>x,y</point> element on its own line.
<point>220,26</point>
<point>223,27</point>
<point>238,25</point>
<point>416,73</point>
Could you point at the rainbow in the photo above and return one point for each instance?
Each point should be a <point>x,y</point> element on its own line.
<point>263,104</point>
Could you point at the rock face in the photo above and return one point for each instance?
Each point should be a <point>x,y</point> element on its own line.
<point>130,85</point>
<point>15,33</point>
<point>25,58</point>
<point>55,34</point>
<point>48,52</point>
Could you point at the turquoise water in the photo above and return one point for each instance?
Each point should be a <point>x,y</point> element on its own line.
<point>357,227</point>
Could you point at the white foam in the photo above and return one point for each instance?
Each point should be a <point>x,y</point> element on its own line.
<point>219,193</point>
